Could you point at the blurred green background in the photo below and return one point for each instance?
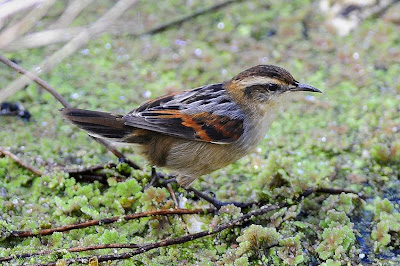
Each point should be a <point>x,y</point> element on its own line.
<point>347,137</point>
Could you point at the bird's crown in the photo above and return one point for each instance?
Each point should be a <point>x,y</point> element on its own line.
<point>264,74</point>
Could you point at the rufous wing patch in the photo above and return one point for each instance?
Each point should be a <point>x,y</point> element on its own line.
<point>201,126</point>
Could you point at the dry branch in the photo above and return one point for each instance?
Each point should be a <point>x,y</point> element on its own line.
<point>9,8</point>
<point>64,102</point>
<point>21,162</point>
<point>44,38</point>
<point>74,249</point>
<point>180,21</point>
<point>70,13</point>
<point>64,34</point>
<point>128,217</point>
<point>139,249</point>
<point>164,243</point>
<point>36,79</point>
<point>25,24</point>
<point>179,240</point>
<point>90,169</point>
<point>81,39</point>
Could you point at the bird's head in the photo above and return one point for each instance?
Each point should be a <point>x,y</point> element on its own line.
<point>265,85</point>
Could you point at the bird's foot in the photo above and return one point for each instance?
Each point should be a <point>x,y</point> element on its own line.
<point>159,179</point>
<point>216,203</point>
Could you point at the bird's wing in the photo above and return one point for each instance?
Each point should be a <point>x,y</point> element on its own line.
<point>204,114</point>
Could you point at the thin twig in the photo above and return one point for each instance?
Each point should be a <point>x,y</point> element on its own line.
<point>173,196</point>
<point>25,24</point>
<point>90,169</point>
<point>44,38</point>
<point>64,102</point>
<point>21,162</point>
<point>81,39</point>
<point>65,34</point>
<point>179,240</point>
<point>139,249</point>
<point>101,178</point>
<point>11,7</point>
<point>36,79</point>
<point>74,249</point>
<point>71,12</point>
<point>91,174</point>
<point>107,221</point>
<point>180,21</point>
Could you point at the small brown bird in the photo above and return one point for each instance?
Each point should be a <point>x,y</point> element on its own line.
<point>196,132</point>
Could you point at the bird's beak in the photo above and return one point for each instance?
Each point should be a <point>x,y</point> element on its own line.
<point>305,87</point>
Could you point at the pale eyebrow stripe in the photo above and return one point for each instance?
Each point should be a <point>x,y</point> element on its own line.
<point>250,81</point>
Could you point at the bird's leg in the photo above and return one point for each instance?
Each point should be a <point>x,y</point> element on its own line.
<point>218,204</point>
<point>173,196</point>
<point>158,179</point>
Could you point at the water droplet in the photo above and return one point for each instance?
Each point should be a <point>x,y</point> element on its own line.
<point>198,52</point>
<point>147,94</point>
<point>263,60</point>
<point>180,42</point>
<point>300,171</point>
<point>85,51</point>
<point>75,95</point>
<point>310,98</point>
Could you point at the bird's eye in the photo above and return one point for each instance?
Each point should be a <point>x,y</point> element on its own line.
<point>273,87</point>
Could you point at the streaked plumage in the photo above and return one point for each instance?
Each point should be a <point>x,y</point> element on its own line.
<point>198,131</point>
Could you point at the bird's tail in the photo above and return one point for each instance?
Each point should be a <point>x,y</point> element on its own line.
<point>99,124</point>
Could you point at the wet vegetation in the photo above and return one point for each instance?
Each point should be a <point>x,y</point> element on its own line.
<point>348,137</point>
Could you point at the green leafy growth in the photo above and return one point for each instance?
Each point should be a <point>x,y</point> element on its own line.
<point>387,229</point>
<point>336,242</point>
<point>291,250</point>
<point>255,239</point>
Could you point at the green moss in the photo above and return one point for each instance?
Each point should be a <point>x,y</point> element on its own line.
<point>291,250</point>
<point>331,262</point>
<point>255,239</point>
<point>337,242</point>
<point>346,137</point>
<point>387,228</point>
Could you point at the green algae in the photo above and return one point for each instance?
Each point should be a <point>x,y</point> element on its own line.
<point>348,137</point>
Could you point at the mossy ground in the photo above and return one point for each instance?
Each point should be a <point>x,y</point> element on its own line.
<point>347,137</point>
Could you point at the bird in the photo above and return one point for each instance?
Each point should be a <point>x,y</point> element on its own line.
<point>195,132</point>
